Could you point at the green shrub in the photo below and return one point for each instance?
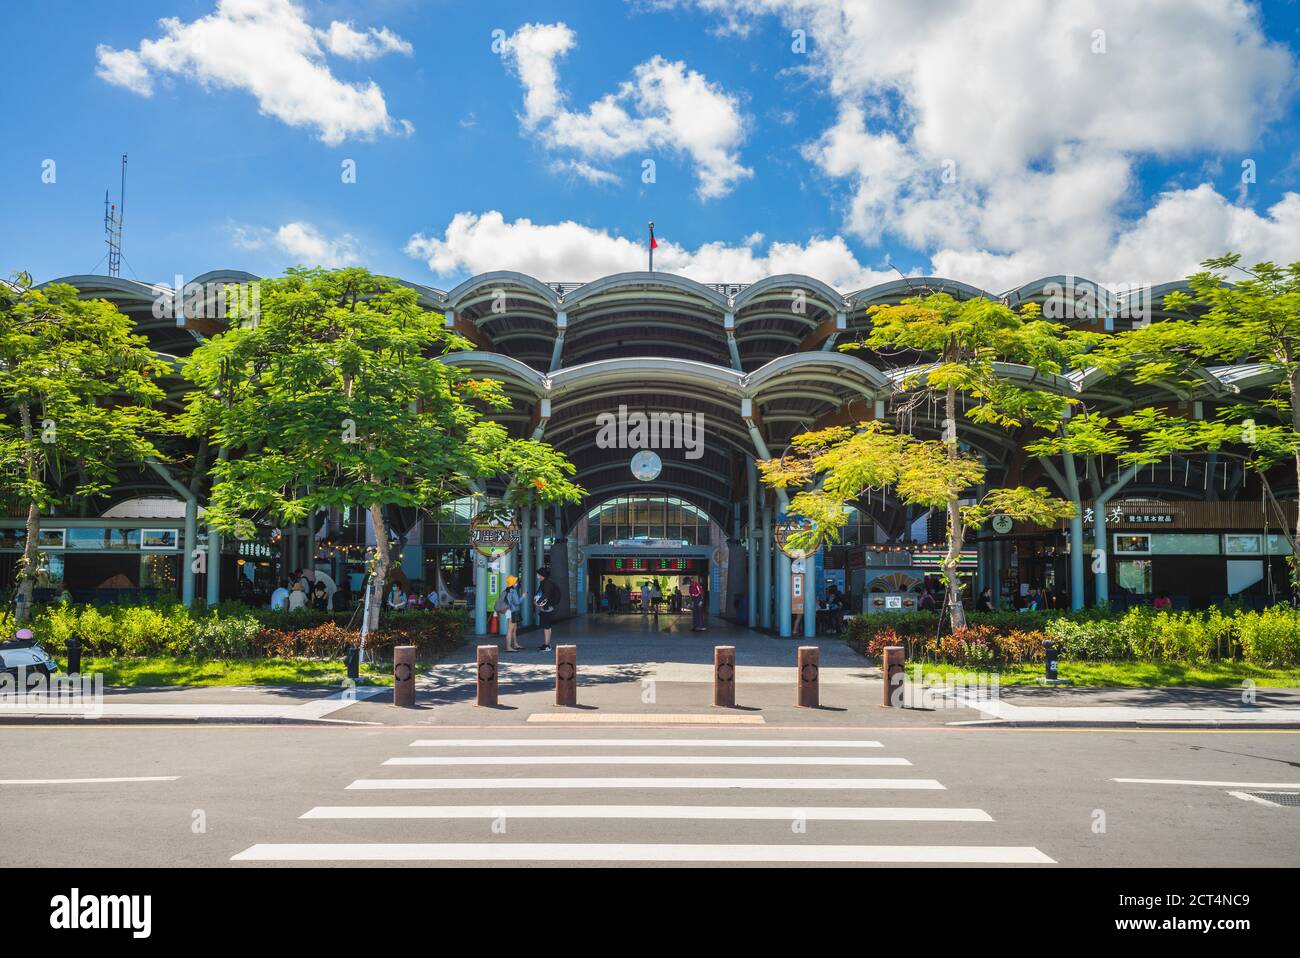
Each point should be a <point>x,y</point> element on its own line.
<point>1270,638</point>
<point>214,637</point>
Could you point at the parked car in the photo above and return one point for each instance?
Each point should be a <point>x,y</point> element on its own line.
<point>24,659</point>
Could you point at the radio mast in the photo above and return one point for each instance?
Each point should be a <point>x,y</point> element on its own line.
<point>113,225</point>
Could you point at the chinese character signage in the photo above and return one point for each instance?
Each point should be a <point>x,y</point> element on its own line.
<point>493,537</point>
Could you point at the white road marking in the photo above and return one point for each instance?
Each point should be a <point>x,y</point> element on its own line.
<point>686,812</point>
<point>1189,781</point>
<point>87,781</point>
<point>598,783</point>
<point>552,852</point>
<point>455,760</point>
<point>641,742</point>
<point>1247,797</point>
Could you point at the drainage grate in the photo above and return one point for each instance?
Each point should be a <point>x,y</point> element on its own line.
<point>1277,798</point>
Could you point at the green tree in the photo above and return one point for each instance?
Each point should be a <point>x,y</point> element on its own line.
<point>1141,438</point>
<point>1230,314</point>
<point>326,392</point>
<point>981,361</point>
<point>835,467</point>
<point>77,386</point>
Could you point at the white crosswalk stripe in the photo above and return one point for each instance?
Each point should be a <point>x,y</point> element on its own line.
<point>642,743</point>
<point>775,830</point>
<point>455,760</point>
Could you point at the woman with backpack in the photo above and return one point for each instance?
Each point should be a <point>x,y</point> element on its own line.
<point>514,603</point>
<point>547,601</point>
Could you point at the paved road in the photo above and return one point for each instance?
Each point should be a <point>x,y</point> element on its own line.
<point>251,796</point>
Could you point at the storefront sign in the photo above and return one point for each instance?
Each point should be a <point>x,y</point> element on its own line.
<point>252,549</point>
<point>783,532</point>
<point>493,537</point>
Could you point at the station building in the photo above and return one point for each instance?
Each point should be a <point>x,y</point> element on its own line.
<point>664,392</point>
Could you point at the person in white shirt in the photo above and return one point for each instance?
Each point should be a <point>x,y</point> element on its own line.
<point>432,600</point>
<point>280,597</point>
<point>297,597</point>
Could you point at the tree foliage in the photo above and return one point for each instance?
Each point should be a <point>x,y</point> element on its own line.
<point>78,389</point>
<point>330,394</point>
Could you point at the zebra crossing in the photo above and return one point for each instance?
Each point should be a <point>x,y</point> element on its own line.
<point>824,800</point>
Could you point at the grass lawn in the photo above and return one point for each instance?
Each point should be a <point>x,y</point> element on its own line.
<point>1133,674</point>
<point>163,671</point>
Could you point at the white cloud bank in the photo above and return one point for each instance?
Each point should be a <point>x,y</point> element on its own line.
<point>571,252</point>
<point>664,107</point>
<point>1004,138</point>
<point>268,49</point>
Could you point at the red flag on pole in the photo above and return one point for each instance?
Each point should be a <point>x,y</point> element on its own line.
<point>654,245</point>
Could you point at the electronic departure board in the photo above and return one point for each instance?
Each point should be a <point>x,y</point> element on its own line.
<point>641,564</point>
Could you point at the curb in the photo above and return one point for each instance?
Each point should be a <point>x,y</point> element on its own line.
<point>72,720</point>
<point>1134,724</point>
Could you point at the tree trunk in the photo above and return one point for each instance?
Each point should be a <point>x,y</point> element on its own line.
<point>956,525</point>
<point>27,568</point>
<point>382,560</point>
<point>1294,387</point>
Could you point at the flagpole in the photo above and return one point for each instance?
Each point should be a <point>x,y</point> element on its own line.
<point>651,246</point>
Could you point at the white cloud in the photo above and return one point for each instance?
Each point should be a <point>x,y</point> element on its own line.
<point>571,252</point>
<point>269,50</point>
<point>302,242</point>
<point>592,174</point>
<point>664,106</point>
<point>1039,134</point>
<point>343,40</point>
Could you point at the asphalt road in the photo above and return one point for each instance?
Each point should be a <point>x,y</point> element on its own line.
<point>237,796</point>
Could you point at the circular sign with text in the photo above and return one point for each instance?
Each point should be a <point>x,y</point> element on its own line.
<point>1002,524</point>
<point>493,537</point>
<point>784,530</point>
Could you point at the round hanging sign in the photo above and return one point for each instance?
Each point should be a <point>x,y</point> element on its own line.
<point>493,537</point>
<point>784,530</point>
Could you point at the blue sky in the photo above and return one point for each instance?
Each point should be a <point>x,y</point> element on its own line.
<point>989,141</point>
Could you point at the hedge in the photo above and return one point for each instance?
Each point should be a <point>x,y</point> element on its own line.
<point>232,631</point>
<point>1270,638</point>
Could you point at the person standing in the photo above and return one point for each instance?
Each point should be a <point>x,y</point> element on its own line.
<point>697,606</point>
<point>547,600</point>
<point>514,605</point>
<point>611,597</point>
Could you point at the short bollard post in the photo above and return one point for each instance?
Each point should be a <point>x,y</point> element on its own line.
<point>893,672</point>
<point>566,675</point>
<point>809,676</point>
<point>404,676</point>
<point>1053,672</point>
<point>74,656</point>
<point>724,676</point>
<point>488,656</point>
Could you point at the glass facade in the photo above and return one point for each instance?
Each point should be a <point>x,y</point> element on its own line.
<point>647,517</point>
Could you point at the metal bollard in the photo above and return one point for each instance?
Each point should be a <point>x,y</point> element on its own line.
<point>724,676</point>
<point>404,676</point>
<point>74,656</point>
<point>893,671</point>
<point>809,677</point>
<point>566,675</point>
<point>1050,655</point>
<point>488,657</point>
<point>352,659</point>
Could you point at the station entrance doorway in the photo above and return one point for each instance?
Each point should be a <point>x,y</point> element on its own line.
<point>632,584</point>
